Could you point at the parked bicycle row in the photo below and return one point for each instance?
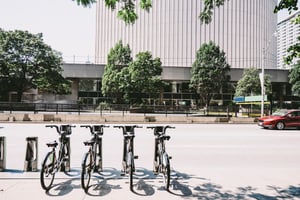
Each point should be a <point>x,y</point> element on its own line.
<point>58,156</point>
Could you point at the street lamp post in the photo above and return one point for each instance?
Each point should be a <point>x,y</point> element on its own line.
<point>262,82</point>
<point>262,74</point>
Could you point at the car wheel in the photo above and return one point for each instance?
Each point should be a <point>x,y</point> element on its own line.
<point>280,126</point>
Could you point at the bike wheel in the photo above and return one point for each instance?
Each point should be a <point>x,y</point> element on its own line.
<point>86,171</point>
<point>130,164</point>
<point>48,171</point>
<point>166,171</point>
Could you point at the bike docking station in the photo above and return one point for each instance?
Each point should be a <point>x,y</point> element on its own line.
<point>31,155</point>
<point>2,153</point>
<point>67,160</point>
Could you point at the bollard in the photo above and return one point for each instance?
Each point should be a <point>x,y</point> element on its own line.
<point>2,154</point>
<point>31,154</point>
<point>67,166</point>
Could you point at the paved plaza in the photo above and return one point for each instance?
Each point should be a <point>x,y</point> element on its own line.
<point>209,161</point>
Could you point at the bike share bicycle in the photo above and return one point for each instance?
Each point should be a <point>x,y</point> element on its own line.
<point>128,166</point>
<point>161,162</point>
<point>53,163</point>
<point>92,160</point>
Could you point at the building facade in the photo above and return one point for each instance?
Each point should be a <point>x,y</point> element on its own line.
<point>173,31</point>
<point>287,35</point>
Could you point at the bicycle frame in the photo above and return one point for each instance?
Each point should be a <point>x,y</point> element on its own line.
<point>128,152</point>
<point>53,163</point>
<point>89,163</point>
<point>161,160</point>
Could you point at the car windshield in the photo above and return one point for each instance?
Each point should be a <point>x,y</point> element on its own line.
<point>280,113</point>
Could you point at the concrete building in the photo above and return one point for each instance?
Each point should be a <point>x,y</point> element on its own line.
<point>287,35</point>
<point>172,31</point>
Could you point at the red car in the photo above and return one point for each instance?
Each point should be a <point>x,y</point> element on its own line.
<point>281,119</point>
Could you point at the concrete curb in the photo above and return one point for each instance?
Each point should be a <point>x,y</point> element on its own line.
<point>92,118</point>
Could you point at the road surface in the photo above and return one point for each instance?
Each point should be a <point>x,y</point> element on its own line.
<point>210,161</point>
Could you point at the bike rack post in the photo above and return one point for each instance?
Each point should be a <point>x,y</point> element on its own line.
<point>31,155</point>
<point>2,154</point>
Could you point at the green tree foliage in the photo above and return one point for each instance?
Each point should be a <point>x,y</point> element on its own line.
<point>145,76</point>
<point>209,71</point>
<point>117,61</point>
<point>294,79</point>
<point>126,10</point>
<point>26,62</point>
<point>294,50</point>
<point>250,85</point>
<point>209,5</point>
<point>125,79</point>
<point>85,2</point>
<point>207,12</point>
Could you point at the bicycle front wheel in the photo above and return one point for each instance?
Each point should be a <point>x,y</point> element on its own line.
<point>166,171</point>
<point>130,164</point>
<point>48,171</point>
<point>86,171</point>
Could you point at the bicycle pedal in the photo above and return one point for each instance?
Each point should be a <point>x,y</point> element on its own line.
<point>170,157</point>
<point>136,157</point>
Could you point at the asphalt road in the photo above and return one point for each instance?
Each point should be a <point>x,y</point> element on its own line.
<point>210,161</point>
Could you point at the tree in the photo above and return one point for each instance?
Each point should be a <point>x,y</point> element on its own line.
<point>250,85</point>
<point>294,79</point>
<point>26,62</point>
<point>117,60</point>
<point>145,76</point>
<point>209,71</point>
<point>124,79</point>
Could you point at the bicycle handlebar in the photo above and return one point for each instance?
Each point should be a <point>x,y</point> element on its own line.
<point>62,128</point>
<point>160,129</point>
<point>128,128</point>
<point>95,128</point>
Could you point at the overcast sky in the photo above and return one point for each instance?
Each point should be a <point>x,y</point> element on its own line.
<point>66,27</point>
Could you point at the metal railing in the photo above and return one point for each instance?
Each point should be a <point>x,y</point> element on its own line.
<point>123,109</point>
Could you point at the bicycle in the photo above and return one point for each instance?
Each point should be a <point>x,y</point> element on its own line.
<point>92,160</point>
<point>128,166</point>
<point>53,163</point>
<point>161,162</point>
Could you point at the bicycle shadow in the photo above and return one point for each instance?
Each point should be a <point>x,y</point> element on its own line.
<point>101,187</point>
<point>146,189</point>
<point>141,188</point>
<point>62,188</point>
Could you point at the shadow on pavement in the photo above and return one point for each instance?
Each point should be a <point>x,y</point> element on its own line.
<point>182,185</point>
<point>62,188</point>
<point>102,188</point>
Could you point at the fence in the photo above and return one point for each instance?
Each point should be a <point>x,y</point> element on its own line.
<point>125,109</point>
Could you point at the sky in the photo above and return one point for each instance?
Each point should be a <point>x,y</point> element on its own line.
<point>66,27</point>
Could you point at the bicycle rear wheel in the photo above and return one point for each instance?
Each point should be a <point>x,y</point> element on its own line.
<point>166,171</point>
<point>86,171</point>
<point>48,171</point>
